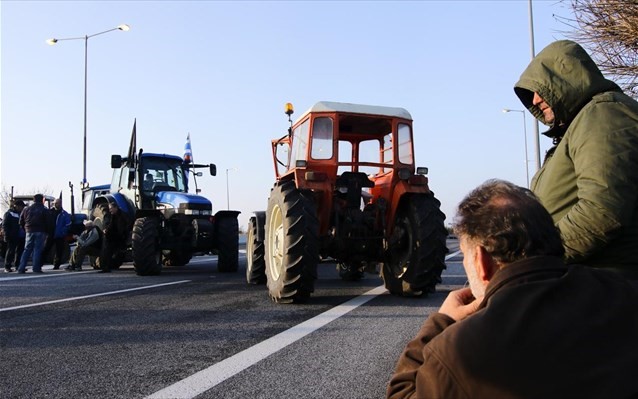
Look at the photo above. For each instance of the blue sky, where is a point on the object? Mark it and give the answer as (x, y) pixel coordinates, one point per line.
(222, 71)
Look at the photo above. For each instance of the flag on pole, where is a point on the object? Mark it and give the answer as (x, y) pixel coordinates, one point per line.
(132, 149)
(188, 152)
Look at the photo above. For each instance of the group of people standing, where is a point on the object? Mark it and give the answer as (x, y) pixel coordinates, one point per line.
(31, 232)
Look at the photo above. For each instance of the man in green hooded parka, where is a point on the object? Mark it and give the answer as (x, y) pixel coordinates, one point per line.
(589, 178)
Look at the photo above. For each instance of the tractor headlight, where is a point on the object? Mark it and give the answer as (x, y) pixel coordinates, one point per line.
(191, 211)
(164, 206)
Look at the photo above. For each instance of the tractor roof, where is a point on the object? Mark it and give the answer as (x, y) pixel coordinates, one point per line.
(330, 106)
(155, 155)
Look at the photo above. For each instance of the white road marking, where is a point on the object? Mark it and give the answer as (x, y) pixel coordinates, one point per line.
(453, 254)
(208, 378)
(76, 298)
(16, 276)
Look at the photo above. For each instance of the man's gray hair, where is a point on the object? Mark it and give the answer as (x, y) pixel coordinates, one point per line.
(508, 221)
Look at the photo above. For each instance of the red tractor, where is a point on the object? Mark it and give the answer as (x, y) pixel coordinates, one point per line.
(347, 191)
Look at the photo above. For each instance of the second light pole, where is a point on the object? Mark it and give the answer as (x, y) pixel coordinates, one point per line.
(227, 189)
(525, 136)
(86, 38)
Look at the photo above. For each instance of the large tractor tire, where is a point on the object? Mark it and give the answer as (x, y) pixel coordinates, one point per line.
(101, 215)
(146, 250)
(255, 263)
(227, 233)
(416, 248)
(291, 245)
(176, 257)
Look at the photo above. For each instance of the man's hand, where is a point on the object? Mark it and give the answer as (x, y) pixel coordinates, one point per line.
(459, 304)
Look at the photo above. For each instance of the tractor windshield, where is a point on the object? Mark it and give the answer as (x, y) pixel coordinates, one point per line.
(163, 174)
(299, 144)
(377, 153)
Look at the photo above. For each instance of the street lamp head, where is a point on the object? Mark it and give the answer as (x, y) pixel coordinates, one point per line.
(124, 27)
(51, 42)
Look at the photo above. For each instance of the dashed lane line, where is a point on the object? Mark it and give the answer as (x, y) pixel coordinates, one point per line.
(76, 298)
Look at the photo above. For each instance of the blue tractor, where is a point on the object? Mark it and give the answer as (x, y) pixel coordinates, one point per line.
(170, 225)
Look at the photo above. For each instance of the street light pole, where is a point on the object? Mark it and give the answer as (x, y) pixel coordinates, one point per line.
(227, 189)
(525, 136)
(86, 38)
(533, 51)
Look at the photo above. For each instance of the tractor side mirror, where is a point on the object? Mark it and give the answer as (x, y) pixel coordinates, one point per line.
(213, 169)
(421, 170)
(116, 161)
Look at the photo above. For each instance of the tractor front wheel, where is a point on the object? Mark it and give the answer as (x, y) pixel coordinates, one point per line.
(146, 249)
(255, 263)
(416, 251)
(291, 246)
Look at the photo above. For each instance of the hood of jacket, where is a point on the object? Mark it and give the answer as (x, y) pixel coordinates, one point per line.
(566, 77)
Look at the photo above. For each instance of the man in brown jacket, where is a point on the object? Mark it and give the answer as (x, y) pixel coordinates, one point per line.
(528, 326)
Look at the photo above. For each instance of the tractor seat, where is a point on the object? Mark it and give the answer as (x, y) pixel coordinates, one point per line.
(353, 182)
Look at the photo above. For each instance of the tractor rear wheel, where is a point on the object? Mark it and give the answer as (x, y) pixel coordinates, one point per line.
(291, 245)
(146, 250)
(227, 232)
(416, 248)
(101, 215)
(255, 263)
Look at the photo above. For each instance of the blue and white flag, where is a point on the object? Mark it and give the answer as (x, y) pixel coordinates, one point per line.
(188, 152)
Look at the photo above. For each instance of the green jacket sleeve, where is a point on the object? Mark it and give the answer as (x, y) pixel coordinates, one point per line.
(604, 149)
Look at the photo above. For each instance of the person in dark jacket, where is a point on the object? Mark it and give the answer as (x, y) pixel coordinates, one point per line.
(589, 179)
(13, 235)
(528, 326)
(116, 235)
(56, 238)
(34, 221)
(88, 243)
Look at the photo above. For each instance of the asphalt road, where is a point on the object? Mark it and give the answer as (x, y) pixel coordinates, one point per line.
(194, 332)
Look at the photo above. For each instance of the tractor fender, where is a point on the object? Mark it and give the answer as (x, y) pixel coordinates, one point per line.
(226, 214)
(122, 202)
(260, 218)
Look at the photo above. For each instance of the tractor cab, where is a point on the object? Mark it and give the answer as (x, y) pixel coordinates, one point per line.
(350, 154)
